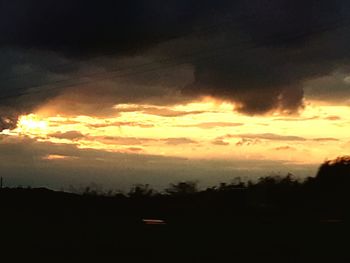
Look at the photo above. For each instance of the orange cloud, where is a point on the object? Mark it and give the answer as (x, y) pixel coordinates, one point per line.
(285, 148)
(69, 135)
(210, 125)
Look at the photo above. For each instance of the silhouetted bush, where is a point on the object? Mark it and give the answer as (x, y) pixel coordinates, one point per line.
(335, 172)
(141, 191)
(182, 188)
(275, 215)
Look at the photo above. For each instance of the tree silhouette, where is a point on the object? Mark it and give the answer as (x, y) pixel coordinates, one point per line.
(329, 192)
(141, 191)
(182, 188)
(335, 172)
(274, 217)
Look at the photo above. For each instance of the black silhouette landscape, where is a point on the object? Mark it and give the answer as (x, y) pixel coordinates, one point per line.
(276, 219)
(177, 131)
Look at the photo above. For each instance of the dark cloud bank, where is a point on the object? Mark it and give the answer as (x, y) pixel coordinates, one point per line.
(99, 53)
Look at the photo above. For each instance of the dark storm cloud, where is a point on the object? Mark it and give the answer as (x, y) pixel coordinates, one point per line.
(332, 87)
(24, 78)
(255, 53)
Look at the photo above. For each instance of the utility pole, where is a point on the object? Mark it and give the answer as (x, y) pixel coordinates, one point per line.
(1, 182)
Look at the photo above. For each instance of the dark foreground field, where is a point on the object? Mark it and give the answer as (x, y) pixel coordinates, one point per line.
(273, 220)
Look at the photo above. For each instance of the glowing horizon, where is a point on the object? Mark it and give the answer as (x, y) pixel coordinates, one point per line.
(205, 129)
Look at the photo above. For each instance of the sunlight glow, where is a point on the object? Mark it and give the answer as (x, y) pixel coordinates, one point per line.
(202, 129)
(31, 124)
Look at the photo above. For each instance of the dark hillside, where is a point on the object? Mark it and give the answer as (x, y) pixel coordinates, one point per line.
(275, 219)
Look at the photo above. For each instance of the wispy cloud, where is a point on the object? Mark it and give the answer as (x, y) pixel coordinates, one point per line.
(69, 135)
(211, 125)
(220, 142)
(285, 148)
(178, 141)
(119, 124)
(264, 136)
(162, 111)
(333, 118)
(325, 139)
(297, 119)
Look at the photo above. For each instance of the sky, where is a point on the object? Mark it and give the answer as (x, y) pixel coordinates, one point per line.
(156, 92)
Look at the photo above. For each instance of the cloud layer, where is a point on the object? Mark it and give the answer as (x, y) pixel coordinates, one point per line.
(84, 57)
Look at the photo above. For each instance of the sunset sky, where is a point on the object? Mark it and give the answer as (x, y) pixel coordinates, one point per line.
(155, 92)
